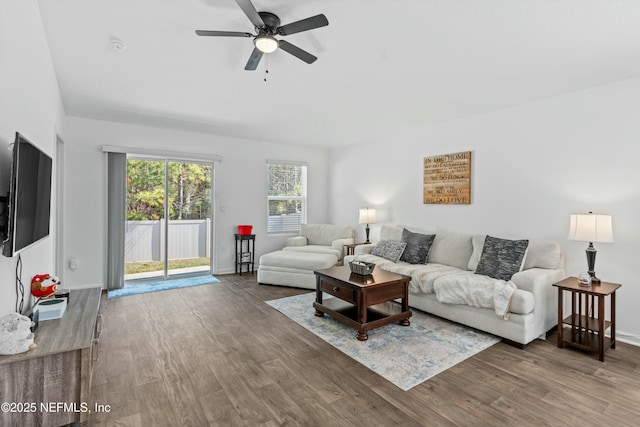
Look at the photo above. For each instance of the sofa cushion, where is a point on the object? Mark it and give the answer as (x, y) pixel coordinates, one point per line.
(418, 246)
(476, 290)
(483, 291)
(539, 254)
(452, 249)
(477, 242)
(297, 241)
(298, 260)
(390, 232)
(543, 255)
(381, 263)
(422, 275)
(316, 249)
(325, 234)
(388, 249)
(501, 258)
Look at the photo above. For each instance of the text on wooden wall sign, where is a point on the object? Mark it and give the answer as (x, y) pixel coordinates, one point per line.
(447, 179)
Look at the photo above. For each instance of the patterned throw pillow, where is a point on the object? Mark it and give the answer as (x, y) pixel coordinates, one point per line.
(389, 249)
(418, 246)
(501, 258)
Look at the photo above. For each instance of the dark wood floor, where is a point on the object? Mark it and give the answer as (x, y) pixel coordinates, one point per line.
(217, 355)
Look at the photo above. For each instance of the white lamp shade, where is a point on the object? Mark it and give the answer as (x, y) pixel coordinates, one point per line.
(367, 216)
(591, 228)
(266, 44)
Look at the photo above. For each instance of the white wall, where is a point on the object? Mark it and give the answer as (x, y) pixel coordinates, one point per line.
(29, 104)
(240, 184)
(532, 167)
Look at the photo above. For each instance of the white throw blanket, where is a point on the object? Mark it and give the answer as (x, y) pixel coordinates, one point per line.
(423, 276)
(452, 285)
(476, 290)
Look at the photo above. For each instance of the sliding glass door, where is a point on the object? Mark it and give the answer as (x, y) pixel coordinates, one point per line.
(169, 226)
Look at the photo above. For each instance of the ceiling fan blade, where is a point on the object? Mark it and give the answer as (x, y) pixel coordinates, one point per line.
(223, 33)
(303, 25)
(251, 12)
(254, 60)
(297, 52)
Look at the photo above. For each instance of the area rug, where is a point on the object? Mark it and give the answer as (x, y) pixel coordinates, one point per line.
(162, 285)
(404, 355)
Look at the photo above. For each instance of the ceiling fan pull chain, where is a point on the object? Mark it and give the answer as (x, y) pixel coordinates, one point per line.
(266, 68)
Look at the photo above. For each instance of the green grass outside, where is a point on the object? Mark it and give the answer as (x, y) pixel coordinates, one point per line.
(143, 267)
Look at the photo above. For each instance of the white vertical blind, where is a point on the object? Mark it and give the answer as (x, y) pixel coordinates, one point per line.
(116, 215)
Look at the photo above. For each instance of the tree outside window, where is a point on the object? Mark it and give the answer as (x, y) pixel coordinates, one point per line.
(189, 190)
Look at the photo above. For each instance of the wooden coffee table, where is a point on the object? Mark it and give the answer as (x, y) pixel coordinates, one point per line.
(362, 302)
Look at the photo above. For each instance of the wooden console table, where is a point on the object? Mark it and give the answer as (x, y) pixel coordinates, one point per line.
(583, 329)
(50, 385)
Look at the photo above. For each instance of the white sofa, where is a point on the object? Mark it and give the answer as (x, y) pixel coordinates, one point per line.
(318, 246)
(452, 260)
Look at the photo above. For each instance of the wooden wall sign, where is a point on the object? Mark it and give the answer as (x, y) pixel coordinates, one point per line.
(447, 179)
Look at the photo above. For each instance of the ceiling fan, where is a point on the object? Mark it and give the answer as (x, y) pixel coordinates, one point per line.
(267, 26)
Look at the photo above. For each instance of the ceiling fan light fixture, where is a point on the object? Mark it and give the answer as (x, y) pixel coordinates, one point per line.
(266, 44)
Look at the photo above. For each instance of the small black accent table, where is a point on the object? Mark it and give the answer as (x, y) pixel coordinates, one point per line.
(245, 257)
(582, 329)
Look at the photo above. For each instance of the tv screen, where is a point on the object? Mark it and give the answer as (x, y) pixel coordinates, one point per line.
(29, 197)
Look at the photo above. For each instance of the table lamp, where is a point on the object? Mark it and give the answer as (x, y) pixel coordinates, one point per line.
(367, 216)
(591, 228)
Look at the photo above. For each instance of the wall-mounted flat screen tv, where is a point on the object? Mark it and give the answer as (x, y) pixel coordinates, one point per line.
(29, 200)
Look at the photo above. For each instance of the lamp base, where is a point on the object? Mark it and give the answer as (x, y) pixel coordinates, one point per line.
(591, 263)
(367, 232)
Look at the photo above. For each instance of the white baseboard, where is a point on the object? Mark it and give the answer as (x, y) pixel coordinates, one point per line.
(85, 286)
(229, 271)
(625, 337)
(628, 338)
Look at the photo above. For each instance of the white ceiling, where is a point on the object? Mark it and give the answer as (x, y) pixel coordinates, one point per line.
(384, 65)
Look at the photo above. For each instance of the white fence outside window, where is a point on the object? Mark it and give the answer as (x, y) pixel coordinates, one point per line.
(144, 240)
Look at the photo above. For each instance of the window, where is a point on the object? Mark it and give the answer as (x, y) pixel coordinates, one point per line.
(286, 196)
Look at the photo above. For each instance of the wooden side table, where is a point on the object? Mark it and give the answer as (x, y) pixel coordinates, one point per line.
(583, 329)
(351, 247)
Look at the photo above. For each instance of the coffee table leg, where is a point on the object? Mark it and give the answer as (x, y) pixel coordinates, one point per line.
(405, 303)
(318, 296)
(363, 336)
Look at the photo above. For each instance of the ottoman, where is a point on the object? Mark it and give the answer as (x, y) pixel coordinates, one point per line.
(291, 268)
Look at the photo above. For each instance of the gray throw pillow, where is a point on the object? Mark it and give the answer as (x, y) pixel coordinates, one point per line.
(501, 258)
(418, 246)
(389, 249)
